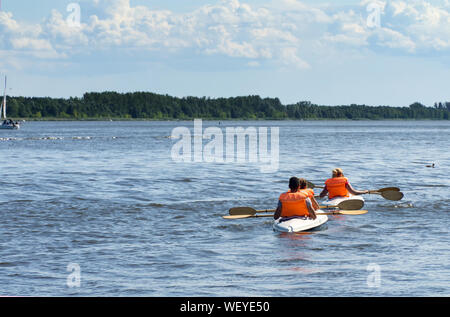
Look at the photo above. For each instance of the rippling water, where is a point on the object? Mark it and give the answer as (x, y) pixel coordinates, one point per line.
(108, 197)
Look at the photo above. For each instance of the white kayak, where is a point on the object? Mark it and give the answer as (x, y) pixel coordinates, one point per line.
(337, 200)
(299, 224)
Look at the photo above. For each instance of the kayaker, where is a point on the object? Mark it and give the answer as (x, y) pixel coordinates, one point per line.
(339, 186)
(298, 202)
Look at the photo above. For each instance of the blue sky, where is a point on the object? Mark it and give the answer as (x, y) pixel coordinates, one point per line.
(329, 52)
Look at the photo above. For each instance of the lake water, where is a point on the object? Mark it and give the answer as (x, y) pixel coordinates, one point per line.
(102, 209)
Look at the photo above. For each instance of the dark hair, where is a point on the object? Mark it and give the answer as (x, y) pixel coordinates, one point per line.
(294, 183)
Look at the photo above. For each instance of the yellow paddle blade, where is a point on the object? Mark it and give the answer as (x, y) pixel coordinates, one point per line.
(352, 212)
(237, 217)
(344, 212)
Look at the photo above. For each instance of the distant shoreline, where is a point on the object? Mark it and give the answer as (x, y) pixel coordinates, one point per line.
(147, 106)
(204, 119)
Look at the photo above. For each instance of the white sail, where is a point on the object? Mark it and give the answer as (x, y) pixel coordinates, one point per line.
(7, 124)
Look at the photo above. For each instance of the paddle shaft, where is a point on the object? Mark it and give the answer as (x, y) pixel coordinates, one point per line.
(273, 210)
(340, 212)
(312, 185)
(349, 204)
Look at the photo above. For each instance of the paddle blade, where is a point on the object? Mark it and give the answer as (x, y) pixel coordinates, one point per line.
(351, 204)
(246, 216)
(386, 189)
(353, 212)
(237, 217)
(237, 211)
(392, 195)
(310, 185)
(344, 212)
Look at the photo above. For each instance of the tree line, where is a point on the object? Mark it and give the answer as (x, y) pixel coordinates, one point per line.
(146, 105)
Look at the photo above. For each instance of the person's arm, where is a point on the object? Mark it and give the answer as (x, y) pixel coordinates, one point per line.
(315, 204)
(324, 192)
(277, 213)
(353, 191)
(312, 214)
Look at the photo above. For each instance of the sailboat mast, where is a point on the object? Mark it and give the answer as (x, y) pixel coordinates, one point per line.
(4, 103)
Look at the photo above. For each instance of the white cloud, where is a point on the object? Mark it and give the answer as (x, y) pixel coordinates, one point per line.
(412, 27)
(282, 32)
(24, 40)
(393, 39)
(290, 58)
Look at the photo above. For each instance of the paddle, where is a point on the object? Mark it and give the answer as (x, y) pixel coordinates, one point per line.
(389, 195)
(350, 204)
(387, 189)
(312, 186)
(246, 216)
(339, 212)
(245, 211)
(237, 211)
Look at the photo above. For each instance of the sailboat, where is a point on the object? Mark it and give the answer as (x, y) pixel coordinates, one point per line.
(7, 123)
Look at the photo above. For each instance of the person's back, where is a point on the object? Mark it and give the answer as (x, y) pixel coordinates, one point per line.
(339, 186)
(297, 202)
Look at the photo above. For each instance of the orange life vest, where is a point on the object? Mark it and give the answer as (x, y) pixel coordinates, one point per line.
(294, 204)
(336, 186)
(308, 191)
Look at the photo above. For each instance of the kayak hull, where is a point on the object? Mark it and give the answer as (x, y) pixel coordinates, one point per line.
(337, 200)
(299, 224)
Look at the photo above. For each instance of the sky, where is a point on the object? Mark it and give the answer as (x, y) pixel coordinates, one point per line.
(328, 52)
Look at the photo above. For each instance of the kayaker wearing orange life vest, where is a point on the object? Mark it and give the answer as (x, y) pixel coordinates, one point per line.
(297, 202)
(339, 186)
